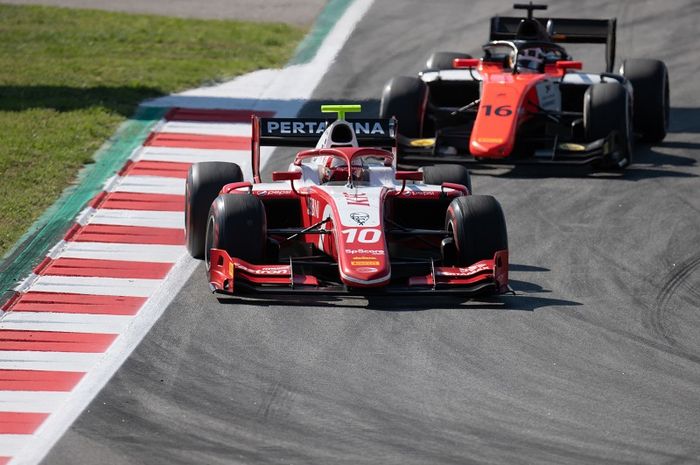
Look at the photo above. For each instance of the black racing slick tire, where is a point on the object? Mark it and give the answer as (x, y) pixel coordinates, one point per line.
(651, 107)
(204, 181)
(443, 60)
(456, 174)
(405, 97)
(237, 224)
(606, 108)
(478, 227)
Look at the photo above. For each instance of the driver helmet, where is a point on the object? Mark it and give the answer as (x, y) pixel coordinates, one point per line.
(336, 170)
(531, 59)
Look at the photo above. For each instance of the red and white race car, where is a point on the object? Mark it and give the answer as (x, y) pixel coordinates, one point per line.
(342, 219)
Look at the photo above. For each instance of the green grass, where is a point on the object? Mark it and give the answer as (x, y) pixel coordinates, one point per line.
(68, 78)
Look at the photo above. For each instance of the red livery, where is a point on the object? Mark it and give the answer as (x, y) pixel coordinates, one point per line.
(342, 218)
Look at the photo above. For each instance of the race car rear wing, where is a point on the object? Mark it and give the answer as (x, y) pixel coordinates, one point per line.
(565, 30)
(305, 132)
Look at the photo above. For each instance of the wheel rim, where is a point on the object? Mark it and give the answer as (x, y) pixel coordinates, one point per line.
(209, 242)
(452, 232)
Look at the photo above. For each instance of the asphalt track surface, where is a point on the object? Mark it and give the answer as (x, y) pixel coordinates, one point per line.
(596, 360)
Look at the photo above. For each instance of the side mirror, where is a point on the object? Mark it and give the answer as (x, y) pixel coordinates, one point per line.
(409, 175)
(569, 65)
(286, 175)
(465, 62)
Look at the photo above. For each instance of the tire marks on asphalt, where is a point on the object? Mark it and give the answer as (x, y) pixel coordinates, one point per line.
(680, 283)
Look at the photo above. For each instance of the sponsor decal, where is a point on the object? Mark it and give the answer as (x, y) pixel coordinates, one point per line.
(359, 198)
(272, 193)
(360, 217)
(275, 270)
(366, 269)
(490, 140)
(230, 269)
(296, 127)
(368, 128)
(303, 127)
(549, 96)
(411, 193)
(364, 261)
(364, 251)
(479, 267)
(312, 206)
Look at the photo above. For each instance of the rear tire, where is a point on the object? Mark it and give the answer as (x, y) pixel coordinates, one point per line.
(443, 60)
(204, 181)
(649, 79)
(237, 224)
(457, 174)
(478, 227)
(606, 108)
(405, 97)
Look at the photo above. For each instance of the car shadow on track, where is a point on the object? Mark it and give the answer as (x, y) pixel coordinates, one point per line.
(525, 297)
(649, 163)
(386, 303)
(684, 120)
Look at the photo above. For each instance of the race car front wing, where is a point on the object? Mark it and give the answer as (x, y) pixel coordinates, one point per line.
(419, 151)
(229, 275)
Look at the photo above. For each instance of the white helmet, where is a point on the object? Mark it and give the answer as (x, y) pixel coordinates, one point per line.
(531, 59)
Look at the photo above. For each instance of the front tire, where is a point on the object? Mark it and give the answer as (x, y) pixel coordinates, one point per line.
(649, 80)
(204, 181)
(237, 224)
(478, 227)
(405, 97)
(606, 108)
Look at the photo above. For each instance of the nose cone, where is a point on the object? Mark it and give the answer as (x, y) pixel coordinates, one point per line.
(500, 112)
(365, 268)
(492, 147)
(363, 258)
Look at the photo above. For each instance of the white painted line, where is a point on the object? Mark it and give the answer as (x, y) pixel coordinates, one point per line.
(212, 129)
(31, 401)
(145, 218)
(65, 322)
(149, 185)
(96, 286)
(113, 251)
(12, 444)
(59, 361)
(242, 92)
(187, 155)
